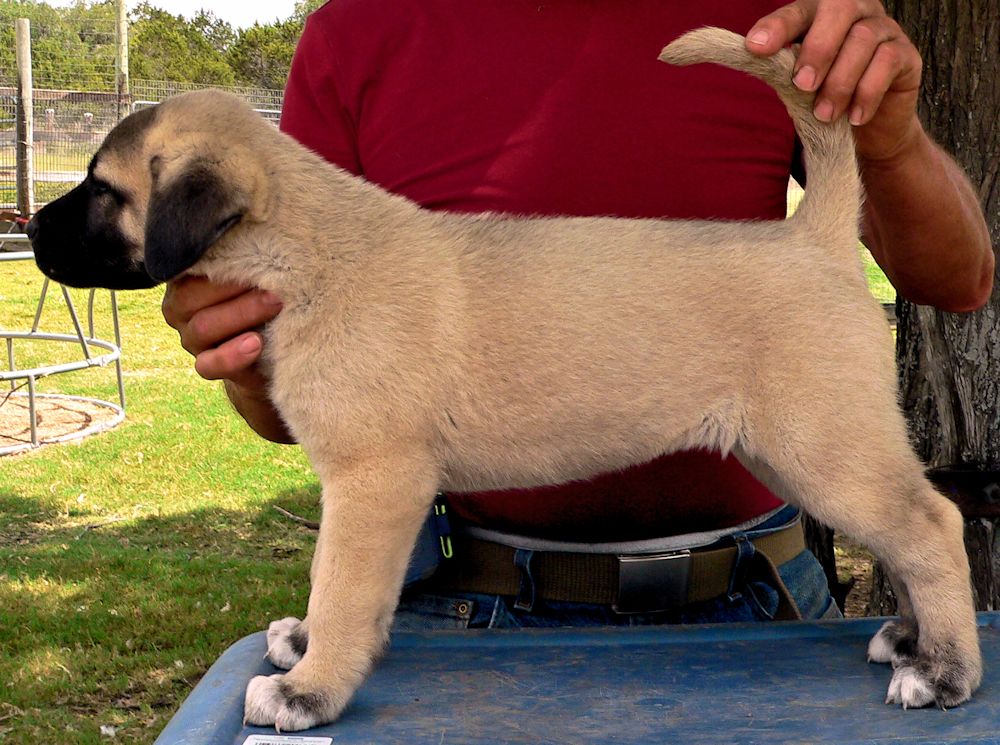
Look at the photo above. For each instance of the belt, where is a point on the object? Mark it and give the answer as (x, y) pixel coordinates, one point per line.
(636, 583)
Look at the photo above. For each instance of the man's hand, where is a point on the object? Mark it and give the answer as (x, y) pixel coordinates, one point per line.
(922, 221)
(217, 325)
(858, 61)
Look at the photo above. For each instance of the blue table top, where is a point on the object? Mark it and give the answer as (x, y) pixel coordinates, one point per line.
(763, 683)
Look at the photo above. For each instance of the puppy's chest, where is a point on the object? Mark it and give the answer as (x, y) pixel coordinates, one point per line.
(287, 336)
(303, 335)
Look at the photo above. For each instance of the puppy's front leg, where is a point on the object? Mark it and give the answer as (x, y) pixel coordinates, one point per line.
(372, 513)
(288, 638)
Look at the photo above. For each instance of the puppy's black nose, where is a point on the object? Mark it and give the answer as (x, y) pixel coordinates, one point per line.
(31, 229)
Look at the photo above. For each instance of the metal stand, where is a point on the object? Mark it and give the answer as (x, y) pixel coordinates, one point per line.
(88, 343)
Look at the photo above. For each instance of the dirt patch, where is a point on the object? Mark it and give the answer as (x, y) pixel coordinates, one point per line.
(854, 565)
(58, 418)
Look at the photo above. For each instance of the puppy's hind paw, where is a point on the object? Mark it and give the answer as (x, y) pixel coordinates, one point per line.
(275, 700)
(287, 641)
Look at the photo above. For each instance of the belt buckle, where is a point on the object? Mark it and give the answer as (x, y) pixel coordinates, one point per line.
(649, 583)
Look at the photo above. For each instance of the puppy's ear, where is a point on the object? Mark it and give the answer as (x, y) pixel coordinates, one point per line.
(186, 216)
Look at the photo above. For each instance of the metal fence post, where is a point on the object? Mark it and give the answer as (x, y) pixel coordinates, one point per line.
(25, 119)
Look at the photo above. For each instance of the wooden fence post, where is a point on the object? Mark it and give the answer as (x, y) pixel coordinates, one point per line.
(25, 116)
(121, 63)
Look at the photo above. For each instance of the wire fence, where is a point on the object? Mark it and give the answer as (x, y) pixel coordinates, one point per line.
(265, 101)
(81, 58)
(75, 108)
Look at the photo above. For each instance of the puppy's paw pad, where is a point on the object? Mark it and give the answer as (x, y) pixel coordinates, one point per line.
(270, 700)
(895, 642)
(287, 641)
(910, 689)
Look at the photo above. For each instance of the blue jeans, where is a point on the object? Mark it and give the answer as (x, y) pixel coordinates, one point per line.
(756, 600)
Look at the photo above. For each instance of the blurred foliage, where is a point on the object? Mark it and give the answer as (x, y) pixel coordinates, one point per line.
(74, 47)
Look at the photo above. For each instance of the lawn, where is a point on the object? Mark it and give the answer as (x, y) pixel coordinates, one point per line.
(129, 561)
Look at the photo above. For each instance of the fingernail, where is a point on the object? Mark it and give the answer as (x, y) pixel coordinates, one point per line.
(250, 344)
(269, 298)
(805, 78)
(759, 37)
(857, 116)
(824, 111)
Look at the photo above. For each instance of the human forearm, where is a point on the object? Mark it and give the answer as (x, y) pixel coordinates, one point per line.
(258, 412)
(924, 226)
(922, 221)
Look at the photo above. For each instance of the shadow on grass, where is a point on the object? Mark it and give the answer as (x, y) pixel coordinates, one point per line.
(112, 621)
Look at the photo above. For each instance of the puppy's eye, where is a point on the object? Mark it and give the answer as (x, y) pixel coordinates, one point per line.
(100, 188)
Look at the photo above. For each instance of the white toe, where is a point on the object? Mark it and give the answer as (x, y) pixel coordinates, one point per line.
(909, 688)
(263, 700)
(280, 651)
(880, 649)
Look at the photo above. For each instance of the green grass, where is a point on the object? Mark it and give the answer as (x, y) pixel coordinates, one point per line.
(877, 282)
(54, 156)
(113, 624)
(130, 560)
(45, 191)
(67, 157)
(59, 157)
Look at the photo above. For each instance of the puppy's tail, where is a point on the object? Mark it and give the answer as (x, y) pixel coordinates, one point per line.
(832, 203)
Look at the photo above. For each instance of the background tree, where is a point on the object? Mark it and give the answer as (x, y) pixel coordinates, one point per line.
(163, 46)
(218, 33)
(950, 363)
(262, 55)
(74, 47)
(71, 47)
(305, 7)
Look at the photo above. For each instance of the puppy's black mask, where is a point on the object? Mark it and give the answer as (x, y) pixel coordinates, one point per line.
(78, 239)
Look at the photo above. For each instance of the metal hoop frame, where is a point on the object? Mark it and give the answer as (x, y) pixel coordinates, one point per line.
(87, 340)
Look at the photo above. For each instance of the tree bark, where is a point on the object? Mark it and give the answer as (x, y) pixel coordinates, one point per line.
(949, 364)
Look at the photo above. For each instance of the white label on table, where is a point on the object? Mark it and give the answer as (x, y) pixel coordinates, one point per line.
(286, 740)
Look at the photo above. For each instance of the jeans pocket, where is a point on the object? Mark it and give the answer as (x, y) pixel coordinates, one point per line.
(806, 581)
(430, 612)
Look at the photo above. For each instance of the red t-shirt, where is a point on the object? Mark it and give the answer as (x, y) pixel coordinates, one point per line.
(554, 108)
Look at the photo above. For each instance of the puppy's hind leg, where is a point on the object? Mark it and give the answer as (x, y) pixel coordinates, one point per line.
(945, 667)
(896, 641)
(372, 513)
(857, 474)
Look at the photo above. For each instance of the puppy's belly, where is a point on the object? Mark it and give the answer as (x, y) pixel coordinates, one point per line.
(510, 457)
(527, 472)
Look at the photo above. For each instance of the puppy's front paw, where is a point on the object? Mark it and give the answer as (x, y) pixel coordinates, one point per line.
(287, 641)
(276, 700)
(921, 681)
(909, 688)
(895, 642)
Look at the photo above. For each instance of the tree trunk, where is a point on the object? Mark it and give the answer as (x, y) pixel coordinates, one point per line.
(949, 364)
